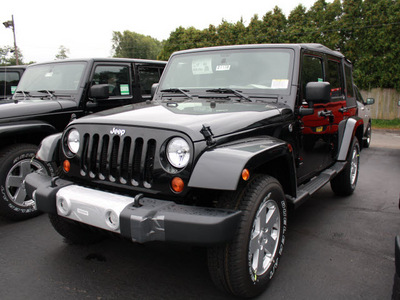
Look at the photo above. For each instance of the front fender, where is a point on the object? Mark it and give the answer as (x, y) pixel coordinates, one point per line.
(48, 148)
(221, 168)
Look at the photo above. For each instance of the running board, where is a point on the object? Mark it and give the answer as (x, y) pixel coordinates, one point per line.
(306, 190)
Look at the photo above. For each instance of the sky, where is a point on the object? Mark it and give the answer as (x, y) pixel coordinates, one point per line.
(85, 27)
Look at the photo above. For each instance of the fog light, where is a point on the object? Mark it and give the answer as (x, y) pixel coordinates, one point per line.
(63, 206)
(112, 220)
(66, 165)
(177, 184)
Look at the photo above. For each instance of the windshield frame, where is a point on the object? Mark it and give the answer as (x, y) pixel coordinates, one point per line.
(241, 52)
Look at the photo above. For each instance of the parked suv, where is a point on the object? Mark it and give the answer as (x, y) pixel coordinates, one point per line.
(364, 112)
(48, 97)
(235, 135)
(9, 78)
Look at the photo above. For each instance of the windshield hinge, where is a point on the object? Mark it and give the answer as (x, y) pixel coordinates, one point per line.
(208, 135)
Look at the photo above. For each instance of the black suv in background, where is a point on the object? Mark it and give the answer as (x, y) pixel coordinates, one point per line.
(9, 78)
(47, 98)
(233, 137)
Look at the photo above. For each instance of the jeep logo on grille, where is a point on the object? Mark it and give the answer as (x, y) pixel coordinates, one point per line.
(117, 131)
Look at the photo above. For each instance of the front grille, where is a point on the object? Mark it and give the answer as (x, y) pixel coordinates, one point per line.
(118, 159)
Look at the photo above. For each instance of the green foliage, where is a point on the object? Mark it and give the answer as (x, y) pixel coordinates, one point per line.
(366, 31)
(7, 56)
(386, 124)
(62, 52)
(134, 45)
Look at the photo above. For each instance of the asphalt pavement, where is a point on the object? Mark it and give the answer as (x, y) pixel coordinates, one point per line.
(336, 248)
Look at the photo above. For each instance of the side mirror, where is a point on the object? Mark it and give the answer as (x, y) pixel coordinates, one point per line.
(99, 91)
(318, 92)
(154, 89)
(370, 101)
(398, 103)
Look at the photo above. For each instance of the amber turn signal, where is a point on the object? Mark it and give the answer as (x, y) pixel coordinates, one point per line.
(245, 174)
(177, 184)
(66, 166)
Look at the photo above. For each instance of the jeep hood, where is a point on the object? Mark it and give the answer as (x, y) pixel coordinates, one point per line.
(11, 110)
(227, 118)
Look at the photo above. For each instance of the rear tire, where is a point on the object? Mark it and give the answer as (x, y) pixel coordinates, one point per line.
(345, 182)
(367, 138)
(244, 266)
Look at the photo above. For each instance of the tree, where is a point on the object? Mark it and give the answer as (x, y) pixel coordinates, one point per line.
(134, 45)
(7, 56)
(62, 53)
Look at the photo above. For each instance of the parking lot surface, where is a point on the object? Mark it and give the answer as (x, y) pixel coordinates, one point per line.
(336, 248)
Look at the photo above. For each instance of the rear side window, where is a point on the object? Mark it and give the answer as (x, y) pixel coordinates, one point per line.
(349, 82)
(335, 78)
(148, 76)
(117, 78)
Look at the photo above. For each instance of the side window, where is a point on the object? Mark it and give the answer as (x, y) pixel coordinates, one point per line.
(335, 78)
(148, 76)
(350, 97)
(117, 78)
(349, 82)
(358, 95)
(312, 70)
(8, 82)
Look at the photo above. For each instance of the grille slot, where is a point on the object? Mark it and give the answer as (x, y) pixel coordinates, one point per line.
(116, 159)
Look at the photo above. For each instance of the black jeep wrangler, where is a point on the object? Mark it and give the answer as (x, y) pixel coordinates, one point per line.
(47, 98)
(233, 137)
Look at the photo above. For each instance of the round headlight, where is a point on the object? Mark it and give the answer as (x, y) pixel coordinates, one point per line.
(73, 141)
(178, 152)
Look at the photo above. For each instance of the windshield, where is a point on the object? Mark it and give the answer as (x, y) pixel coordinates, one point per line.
(52, 77)
(261, 71)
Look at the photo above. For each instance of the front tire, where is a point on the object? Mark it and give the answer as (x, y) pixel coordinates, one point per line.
(244, 266)
(16, 162)
(345, 182)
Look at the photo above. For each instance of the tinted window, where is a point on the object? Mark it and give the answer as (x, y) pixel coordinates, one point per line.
(117, 78)
(148, 76)
(334, 77)
(312, 71)
(349, 82)
(8, 82)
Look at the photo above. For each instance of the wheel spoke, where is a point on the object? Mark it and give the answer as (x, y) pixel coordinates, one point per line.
(25, 168)
(14, 181)
(20, 196)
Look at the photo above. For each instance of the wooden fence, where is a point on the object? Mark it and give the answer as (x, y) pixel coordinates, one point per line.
(386, 103)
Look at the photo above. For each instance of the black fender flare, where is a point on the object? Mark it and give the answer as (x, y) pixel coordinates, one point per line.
(347, 131)
(48, 148)
(25, 128)
(221, 168)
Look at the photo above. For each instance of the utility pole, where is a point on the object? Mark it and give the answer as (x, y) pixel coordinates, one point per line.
(9, 24)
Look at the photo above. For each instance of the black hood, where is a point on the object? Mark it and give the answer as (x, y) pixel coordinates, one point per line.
(12, 109)
(190, 117)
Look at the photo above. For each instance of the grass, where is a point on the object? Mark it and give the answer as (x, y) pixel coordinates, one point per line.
(386, 124)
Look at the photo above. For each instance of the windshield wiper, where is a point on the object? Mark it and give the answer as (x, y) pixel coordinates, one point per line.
(49, 93)
(24, 93)
(178, 90)
(230, 91)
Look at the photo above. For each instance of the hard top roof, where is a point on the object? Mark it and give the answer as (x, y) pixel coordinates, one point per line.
(310, 47)
(107, 60)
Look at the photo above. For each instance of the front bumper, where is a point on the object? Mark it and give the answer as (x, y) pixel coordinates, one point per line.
(141, 219)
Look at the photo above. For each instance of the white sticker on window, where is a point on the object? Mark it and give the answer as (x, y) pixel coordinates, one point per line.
(49, 74)
(280, 83)
(202, 66)
(223, 68)
(124, 89)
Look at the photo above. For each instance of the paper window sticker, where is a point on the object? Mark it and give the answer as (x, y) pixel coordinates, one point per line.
(124, 88)
(320, 80)
(13, 89)
(223, 68)
(280, 83)
(202, 66)
(49, 74)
